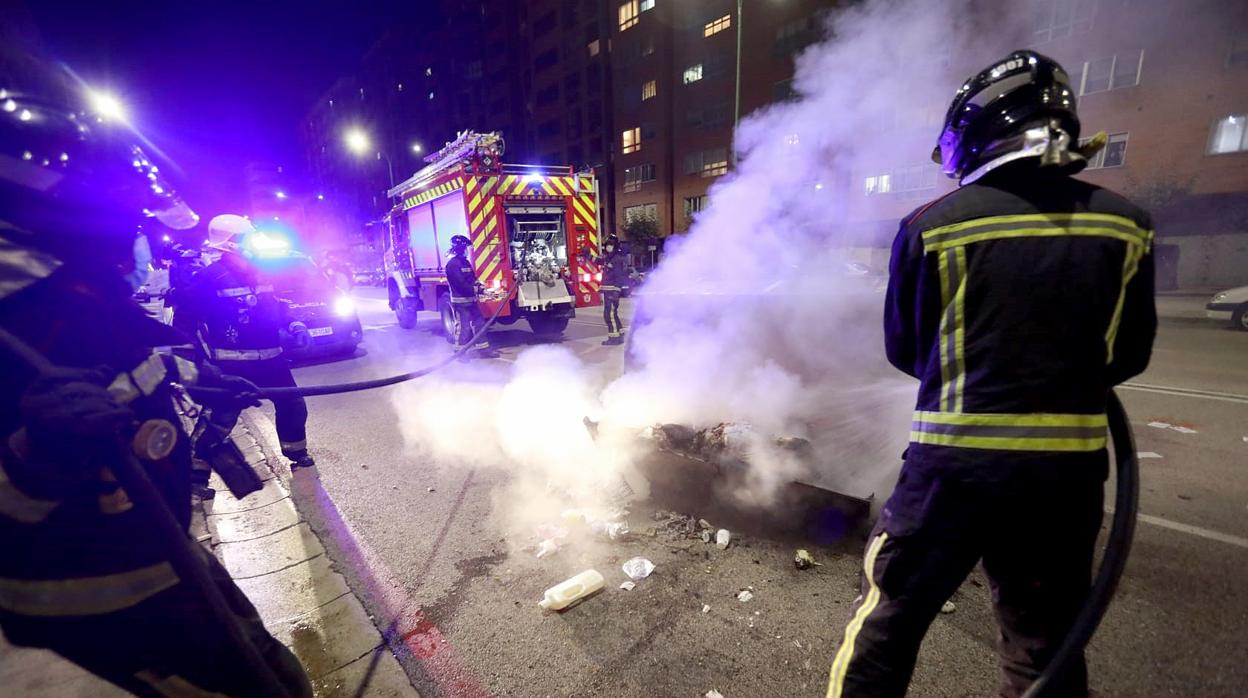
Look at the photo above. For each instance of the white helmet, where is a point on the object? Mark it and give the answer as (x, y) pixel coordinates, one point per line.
(225, 229)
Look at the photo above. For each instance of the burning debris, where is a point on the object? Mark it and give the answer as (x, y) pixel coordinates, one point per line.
(724, 441)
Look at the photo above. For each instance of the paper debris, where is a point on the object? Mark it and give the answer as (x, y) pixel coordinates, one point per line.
(1149, 454)
(628, 586)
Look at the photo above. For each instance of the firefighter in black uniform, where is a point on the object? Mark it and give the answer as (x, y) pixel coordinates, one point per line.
(1018, 301)
(464, 290)
(240, 325)
(81, 570)
(615, 279)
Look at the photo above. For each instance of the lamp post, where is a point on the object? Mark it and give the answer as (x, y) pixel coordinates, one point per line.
(736, 107)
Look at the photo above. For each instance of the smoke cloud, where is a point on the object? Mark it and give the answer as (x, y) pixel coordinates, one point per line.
(755, 315)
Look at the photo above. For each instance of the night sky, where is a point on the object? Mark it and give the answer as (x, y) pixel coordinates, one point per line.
(215, 84)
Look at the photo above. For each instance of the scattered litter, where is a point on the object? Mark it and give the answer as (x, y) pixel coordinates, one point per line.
(722, 538)
(638, 568)
(547, 547)
(706, 536)
(706, 608)
(1173, 427)
(713, 694)
(949, 607)
(703, 523)
(804, 560)
(628, 586)
(1149, 454)
(364, 466)
(613, 530)
(571, 591)
(744, 595)
(430, 489)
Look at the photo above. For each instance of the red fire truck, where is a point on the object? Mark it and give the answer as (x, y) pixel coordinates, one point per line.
(534, 231)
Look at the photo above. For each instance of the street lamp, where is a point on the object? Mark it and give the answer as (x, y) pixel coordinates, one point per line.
(280, 194)
(106, 105)
(417, 148)
(358, 142)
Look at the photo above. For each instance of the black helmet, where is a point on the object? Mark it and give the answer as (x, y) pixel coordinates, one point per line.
(459, 243)
(612, 239)
(74, 179)
(1002, 101)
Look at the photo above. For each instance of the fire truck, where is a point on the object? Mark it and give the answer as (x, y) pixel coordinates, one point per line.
(534, 233)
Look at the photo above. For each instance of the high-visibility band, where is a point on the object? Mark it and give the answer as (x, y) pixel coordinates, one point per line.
(463, 301)
(246, 354)
(85, 596)
(1011, 432)
(845, 653)
(1035, 225)
(19, 506)
(188, 372)
(1130, 265)
(952, 334)
(605, 287)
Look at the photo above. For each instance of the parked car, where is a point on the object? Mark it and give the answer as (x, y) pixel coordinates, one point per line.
(1232, 305)
(328, 313)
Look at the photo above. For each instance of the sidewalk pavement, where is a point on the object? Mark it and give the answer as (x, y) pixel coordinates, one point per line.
(276, 560)
(272, 554)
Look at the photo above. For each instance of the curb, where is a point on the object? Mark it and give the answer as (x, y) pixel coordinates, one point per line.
(280, 564)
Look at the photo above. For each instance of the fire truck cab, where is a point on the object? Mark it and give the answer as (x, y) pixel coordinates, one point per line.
(534, 233)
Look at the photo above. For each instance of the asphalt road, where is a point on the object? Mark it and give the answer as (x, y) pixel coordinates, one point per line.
(432, 535)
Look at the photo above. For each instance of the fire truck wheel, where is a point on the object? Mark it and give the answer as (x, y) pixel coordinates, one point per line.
(547, 327)
(405, 310)
(449, 326)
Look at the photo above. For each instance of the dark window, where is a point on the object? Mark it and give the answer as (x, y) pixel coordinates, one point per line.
(796, 35)
(1114, 154)
(575, 155)
(593, 80)
(472, 71)
(1239, 50)
(648, 131)
(595, 150)
(635, 176)
(572, 88)
(548, 95)
(569, 14)
(546, 60)
(783, 91)
(693, 204)
(574, 124)
(548, 129)
(595, 115)
(544, 24)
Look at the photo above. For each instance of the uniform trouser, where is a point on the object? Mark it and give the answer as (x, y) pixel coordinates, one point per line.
(611, 312)
(292, 412)
(167, 645)
(468, 322)
(1035, 539)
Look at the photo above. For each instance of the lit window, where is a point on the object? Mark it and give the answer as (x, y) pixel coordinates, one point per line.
(400, 87)
(428, 72)
(693, 73)
(649, 89)
(707, 163)
(1115, 72)
(594, 47)
(716, 26)
(628, 15)
(1056, 19)
(430, 95)
(647, 5)
(1229, 135)
(878, 184)
(792, 139)
(631, 140)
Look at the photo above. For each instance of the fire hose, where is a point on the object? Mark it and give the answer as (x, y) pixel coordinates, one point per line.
(356, 386)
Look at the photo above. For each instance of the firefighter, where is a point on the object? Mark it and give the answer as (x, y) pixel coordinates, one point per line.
(240, 324)
(464, 291)
(81, 570)
(615, 278)
(1018, 301)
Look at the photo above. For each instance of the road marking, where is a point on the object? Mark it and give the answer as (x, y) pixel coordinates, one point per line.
(1186, 392)
(1194, 530)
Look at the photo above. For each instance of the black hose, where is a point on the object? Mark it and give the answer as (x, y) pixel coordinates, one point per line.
(1117, 548)
(356, 386)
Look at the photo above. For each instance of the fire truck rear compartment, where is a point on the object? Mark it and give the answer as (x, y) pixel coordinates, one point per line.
(539, 255)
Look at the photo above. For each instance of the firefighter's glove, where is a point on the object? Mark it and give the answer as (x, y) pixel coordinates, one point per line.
(68, 420)
(242, 392)
(297, 336)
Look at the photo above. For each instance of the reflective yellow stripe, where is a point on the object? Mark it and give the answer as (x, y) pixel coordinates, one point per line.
(561, 184)
(583, 209)
(1130, 265)
(85, 596)
(17, 505)
(1037, 220)
(1011, 432)
(959, 331)
(840, 665)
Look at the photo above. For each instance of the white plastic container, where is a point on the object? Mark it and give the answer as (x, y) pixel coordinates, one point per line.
(571, 591)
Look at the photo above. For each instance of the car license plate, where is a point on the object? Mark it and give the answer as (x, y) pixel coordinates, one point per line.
(321, 331)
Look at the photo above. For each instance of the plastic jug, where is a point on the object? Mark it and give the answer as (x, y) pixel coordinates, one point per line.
(569, 592)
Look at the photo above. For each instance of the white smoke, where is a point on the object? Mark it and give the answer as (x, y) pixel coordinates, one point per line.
(754, 315)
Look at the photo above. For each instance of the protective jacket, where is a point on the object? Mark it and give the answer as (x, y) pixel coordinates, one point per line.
(614, 271)
(84, 550)
(235, 313)
(461, 279)
(1018, 301)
